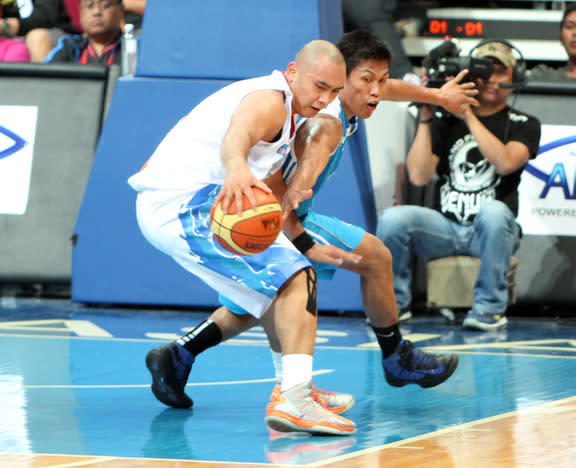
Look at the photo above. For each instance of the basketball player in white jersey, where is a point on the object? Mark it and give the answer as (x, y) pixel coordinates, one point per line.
(226, 145)
(317, 151)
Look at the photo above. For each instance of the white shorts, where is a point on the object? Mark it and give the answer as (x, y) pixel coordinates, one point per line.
(178, 224)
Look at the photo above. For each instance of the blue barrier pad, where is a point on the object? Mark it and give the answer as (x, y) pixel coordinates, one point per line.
(111, 261)
(228, 39)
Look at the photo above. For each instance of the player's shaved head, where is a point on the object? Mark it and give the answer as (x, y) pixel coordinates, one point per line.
(315, 52)
(316, 76)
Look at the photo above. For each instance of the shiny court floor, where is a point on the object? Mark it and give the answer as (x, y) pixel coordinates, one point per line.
(74, 391)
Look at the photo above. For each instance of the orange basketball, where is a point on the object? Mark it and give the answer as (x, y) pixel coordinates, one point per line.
(251, 232)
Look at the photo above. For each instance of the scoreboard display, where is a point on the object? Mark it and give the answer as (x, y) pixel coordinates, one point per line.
(474, 27)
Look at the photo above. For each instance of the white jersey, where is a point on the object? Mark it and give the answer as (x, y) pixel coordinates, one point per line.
(189, 156)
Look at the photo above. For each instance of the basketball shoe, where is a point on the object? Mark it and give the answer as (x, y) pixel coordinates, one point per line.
(409, 365)
(332, 401)
(170, 365)
(484, 322)
(295, 410)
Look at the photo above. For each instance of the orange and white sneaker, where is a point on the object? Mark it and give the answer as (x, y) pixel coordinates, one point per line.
(332, 401)
(296, 411)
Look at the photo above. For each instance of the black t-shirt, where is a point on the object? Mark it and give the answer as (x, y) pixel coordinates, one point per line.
(37, 14)
(466, 179)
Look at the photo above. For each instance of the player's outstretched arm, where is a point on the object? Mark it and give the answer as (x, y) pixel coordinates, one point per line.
(452, 95)
(315, 140)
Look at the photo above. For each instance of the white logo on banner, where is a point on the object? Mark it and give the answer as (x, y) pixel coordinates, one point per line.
(548, 185)
(17, 133)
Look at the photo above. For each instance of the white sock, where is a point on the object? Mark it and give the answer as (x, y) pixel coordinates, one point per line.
(296, 370)
(277, 360)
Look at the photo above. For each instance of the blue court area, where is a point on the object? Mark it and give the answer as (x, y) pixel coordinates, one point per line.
(73, 381)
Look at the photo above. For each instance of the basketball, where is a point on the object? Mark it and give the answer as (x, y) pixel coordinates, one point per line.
(251, 232)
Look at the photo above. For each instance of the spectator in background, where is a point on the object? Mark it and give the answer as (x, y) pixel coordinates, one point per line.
(377, 16)
(101, 21)
(478, 154)
(567, 38)
(39, 22)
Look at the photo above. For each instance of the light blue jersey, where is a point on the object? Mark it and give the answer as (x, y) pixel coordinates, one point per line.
(289, 167)
(327, 229)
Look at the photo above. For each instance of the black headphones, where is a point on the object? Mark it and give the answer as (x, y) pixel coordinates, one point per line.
(519, 73)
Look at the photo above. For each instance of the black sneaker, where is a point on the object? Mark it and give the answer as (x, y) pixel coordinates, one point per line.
(170, 366)
(409, 365)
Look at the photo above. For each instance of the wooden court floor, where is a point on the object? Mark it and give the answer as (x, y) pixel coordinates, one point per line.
(74, 392)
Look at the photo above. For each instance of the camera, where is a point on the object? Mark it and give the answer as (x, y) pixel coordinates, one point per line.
(444, 61)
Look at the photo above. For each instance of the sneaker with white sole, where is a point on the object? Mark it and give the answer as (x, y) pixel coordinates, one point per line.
(333, 401)
(484, 322)
(295, 410)
(170, 365)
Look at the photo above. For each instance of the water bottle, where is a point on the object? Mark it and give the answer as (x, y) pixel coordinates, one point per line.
(129, 51)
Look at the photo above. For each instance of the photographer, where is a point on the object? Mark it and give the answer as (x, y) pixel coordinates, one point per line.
(478, 155)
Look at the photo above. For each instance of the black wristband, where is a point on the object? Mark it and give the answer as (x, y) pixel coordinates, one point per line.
(303, 242)
(427, 121)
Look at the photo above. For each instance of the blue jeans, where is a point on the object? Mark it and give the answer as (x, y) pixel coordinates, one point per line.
(493, 237)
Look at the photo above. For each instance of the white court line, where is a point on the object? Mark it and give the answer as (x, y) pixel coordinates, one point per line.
(194, 384)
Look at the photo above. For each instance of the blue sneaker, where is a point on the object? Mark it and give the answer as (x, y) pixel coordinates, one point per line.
(409, 365)
(484, 322)
(170, 365)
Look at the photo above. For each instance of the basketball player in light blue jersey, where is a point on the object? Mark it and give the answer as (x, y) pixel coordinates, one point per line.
(314, 158)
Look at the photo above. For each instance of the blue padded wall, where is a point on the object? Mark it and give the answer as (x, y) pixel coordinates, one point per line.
(230, 39)
(184, 47)
(111, 261)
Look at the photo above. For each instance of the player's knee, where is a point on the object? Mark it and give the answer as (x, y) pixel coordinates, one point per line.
(375, 254)
(383, 255)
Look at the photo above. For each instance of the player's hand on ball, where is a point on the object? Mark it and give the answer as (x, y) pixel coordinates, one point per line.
(248, 231)
(332, 255)
(237, 184)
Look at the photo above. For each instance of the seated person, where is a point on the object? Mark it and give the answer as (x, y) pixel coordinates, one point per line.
(40, 23)
(478, 155)
(567, 38)
(101, 21)
(13, 50)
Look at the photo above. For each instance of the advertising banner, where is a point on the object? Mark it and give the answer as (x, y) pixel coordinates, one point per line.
(548, 186)
(17, 133)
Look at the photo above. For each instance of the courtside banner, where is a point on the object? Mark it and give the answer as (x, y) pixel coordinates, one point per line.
(17, 133)
(548, 185)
